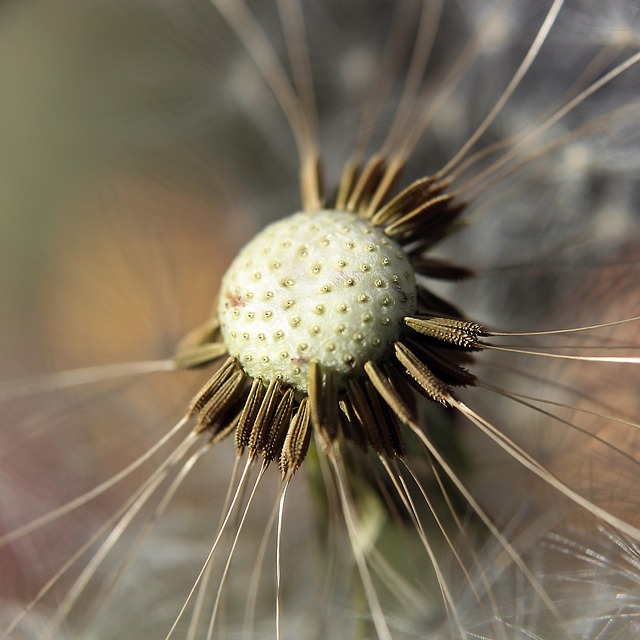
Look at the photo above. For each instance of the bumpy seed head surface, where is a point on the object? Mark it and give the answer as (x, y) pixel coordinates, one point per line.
(325, 287)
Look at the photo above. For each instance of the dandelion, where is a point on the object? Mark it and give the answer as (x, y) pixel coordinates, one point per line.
(443, 340)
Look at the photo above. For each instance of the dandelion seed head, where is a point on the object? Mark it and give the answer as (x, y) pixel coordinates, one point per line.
(360, 507)
(323, 287)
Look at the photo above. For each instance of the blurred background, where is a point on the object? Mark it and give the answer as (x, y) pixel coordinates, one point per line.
(140, 148)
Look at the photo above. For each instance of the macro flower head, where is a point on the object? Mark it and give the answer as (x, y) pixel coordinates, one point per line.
(407, 407)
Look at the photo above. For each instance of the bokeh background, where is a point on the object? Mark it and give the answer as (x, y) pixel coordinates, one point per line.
(140, 148)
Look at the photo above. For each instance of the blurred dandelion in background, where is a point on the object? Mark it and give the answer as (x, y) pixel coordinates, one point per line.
(460, 463)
